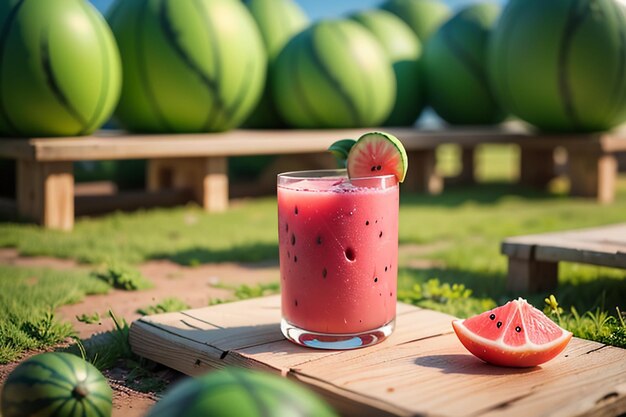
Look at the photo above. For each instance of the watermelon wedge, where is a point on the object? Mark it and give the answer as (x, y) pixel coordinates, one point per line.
(515, 334)
(375, 154)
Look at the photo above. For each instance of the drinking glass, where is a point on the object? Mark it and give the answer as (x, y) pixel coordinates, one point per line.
(338, 243)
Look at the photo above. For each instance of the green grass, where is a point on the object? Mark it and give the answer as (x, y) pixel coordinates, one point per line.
(460, 231)
(123, 277)
(28, 298)
(186, 235)
(167, 305)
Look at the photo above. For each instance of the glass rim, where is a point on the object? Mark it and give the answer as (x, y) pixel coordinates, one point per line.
(339, 171)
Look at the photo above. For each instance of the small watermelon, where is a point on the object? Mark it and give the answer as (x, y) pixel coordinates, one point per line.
(515, 334)
(56, 385)
(377, 153)
(233, 392)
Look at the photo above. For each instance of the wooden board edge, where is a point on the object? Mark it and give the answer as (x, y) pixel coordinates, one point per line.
(549, 253)
(182, 354)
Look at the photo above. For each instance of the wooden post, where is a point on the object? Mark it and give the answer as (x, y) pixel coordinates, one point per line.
(422, 174)
(529, 275)
(467, 176)
(207, 178)
(593, 174)
(536, 166)
(45, 193)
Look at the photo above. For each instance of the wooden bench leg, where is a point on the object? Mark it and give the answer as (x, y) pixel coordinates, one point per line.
(207, 178)
(467, 176)
(529, 275)
(422, 175)
(536, 167)
(593, 175)
(45, 193)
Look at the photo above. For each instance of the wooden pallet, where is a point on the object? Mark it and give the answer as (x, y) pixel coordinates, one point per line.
(421, 370)
(198, 162)
(534, 259)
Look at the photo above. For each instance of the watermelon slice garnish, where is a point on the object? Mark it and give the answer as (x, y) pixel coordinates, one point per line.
(373, 154)
(515, 334)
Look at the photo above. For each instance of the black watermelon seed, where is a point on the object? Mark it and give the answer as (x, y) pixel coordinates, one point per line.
(518, 329)
(295, 258)
(324, 272)
(373, 168)
(367, 222)
(296, 210)
(319, 240)
(350, 255)
(296, 303)
(390, 294)
(378, 168)
(380, 234)
(286, 227)
(376, 279)
(386, 269)
(492, 316)
(499, 324)
(293, 239)
(380, 294)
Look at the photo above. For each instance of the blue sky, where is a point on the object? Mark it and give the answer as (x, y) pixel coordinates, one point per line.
(325, 8)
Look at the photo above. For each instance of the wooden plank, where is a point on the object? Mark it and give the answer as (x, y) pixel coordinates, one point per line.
(467, 175)
(206, 178)
(604, 246)
(437, 376)
(422, 175)
(593, 174)
(529, 275)
(422, 369)
(45, 193)
(111, 145)
(411, 324)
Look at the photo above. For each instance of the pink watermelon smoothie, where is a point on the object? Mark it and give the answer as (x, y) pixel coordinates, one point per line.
(338, 243)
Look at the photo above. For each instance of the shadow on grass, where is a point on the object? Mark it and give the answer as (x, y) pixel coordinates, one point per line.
(247, 253)
(482, 193)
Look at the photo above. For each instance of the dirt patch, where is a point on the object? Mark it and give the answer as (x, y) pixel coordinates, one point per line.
(10, 256)
(194, 285)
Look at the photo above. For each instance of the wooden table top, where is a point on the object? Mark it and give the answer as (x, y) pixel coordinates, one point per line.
(421, 370)
(113, 145)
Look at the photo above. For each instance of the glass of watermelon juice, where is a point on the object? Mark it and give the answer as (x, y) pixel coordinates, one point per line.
(338, 243)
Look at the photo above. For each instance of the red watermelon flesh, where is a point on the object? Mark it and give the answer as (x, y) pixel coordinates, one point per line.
(515, 334)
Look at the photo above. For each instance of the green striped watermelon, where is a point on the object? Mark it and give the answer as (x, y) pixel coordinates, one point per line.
(278, 21)
(235, 392)
(188, 66)
(56, 385)
(60, 71)
(335, 74)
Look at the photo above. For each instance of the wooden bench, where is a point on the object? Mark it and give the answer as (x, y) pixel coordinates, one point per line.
(198, 162)
(534, 259)
(421, 370)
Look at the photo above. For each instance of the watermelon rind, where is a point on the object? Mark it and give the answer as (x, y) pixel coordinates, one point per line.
(497, 352)
(377, 150)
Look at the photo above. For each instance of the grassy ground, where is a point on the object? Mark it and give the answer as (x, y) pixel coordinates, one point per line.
(28, 298)
(457, 234)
